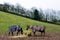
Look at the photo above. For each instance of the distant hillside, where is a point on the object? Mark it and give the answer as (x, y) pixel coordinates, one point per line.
(7, 19)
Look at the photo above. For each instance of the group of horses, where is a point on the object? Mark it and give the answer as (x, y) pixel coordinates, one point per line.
(18, 29)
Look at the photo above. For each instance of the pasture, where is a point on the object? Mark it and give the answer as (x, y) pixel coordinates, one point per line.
(7, 19)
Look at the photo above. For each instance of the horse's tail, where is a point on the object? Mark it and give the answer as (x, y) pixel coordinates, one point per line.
(21, 31)
(44, 29)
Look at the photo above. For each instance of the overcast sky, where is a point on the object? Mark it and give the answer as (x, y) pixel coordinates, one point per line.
(44, 4)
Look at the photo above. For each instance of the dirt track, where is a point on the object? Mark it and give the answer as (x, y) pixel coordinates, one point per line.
(48, 36)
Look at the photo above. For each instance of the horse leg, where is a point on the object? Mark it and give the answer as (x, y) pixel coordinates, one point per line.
(41, 33)
(9, 33)
(34, 33)
(17, 33)
(12, 33)
(44, 33)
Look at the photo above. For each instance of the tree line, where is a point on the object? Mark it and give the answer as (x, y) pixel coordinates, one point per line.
(34, 13)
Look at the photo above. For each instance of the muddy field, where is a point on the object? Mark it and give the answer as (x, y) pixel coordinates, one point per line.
(48, 36)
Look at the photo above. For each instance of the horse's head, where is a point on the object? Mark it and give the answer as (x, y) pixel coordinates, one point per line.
(21, 31)
(27, 27)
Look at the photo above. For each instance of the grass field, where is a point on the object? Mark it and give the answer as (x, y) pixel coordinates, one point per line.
(7, 19)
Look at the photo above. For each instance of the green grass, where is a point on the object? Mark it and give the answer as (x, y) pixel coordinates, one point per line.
(7, 19)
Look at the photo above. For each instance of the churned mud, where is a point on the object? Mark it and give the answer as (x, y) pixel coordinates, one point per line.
(48, 36)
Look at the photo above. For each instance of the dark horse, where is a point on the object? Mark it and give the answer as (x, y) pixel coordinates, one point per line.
(35, 28)
(14, 28)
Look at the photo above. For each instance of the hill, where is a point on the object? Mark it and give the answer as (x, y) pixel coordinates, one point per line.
(7, 19)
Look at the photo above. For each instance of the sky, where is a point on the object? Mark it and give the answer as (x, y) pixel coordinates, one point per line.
(44, 4)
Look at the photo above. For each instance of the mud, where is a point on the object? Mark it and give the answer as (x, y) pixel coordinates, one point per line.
(48, 36)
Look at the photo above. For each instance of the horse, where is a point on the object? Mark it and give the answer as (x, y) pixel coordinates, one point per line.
(15, 28)
(39, 28)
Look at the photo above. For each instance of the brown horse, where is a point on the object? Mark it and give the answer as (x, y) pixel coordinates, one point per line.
(39, 28)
